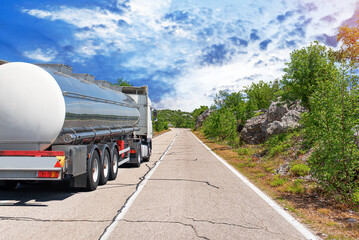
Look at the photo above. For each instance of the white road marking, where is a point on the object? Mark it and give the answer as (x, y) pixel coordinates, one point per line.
(130, 201)
(303, 230)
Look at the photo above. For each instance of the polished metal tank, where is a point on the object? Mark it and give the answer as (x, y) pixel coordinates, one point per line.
(40, 106)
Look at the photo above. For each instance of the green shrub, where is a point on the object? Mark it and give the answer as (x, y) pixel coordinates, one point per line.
(297, 186)
(300, 170)
(243, 151)
(277, 181)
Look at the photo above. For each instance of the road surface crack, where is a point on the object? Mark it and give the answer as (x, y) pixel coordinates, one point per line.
(168, 222)
(125, 205)
(184, 180)
(227, 224)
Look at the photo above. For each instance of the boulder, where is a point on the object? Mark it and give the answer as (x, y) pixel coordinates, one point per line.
(278, 119)
(202, 117)
(276, 111)
(253, 131)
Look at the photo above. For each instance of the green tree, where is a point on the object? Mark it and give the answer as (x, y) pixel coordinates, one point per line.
(306, 68)
(221, 124)
(261, 94)
(122, 82)
(198, 111)
(349, 37)
(330, 125)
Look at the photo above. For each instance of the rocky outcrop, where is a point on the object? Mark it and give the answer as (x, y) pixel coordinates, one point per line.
(278, 119)
(202, 117)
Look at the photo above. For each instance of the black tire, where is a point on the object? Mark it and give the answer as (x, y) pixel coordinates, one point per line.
(114, 165)
(138, 156)
(105, 168)
(93, 171)
(9, 185)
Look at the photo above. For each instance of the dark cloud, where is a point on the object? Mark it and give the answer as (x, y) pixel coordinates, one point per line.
(310, 7)
(180, 17)
(353, 20)
(291, 44)
(264, 44)
(206, 32)
(216, 54)
(281, 18)
(239, 42)
(289, 14)
(328, 19)
(260, 62)
(300, 27)
(328, 40)
(250, 78)
(254, 36)
(122, 23)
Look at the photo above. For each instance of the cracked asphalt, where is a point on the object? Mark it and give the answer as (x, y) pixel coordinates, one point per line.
(191, 195)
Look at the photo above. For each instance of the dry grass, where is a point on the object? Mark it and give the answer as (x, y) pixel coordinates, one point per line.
(328, 218)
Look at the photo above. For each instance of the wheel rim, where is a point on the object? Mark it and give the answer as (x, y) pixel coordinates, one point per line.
(105, 166)
(115, 163)
(95, 170)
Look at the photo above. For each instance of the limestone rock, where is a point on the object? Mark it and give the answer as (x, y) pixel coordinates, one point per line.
(278, 119)
(202, 117)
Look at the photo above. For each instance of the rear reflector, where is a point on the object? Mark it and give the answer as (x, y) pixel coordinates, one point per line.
(32, 153)
(48, 174)
(132, 151)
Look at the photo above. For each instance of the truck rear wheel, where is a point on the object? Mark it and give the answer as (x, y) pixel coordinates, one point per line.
(93, 171)
(114, 165)
(105, 168)
(138, 156)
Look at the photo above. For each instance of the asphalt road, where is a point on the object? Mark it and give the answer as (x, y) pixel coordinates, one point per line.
(183, 192)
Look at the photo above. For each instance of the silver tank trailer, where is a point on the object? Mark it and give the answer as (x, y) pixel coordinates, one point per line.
(40, 106)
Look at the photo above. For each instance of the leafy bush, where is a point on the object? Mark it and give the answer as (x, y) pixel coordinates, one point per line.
(300, 170)
(297, 186)
(308, 67)
(330, 125)
(279, 143)
(221, 124)
(277, 181)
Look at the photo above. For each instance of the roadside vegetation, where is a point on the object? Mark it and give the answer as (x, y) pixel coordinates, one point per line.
(173, 118)
(313, 170)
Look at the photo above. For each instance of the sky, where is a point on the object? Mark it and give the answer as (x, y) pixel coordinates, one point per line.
(186, 51)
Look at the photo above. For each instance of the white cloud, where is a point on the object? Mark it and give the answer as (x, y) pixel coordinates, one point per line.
(42, 55)
(158, 44)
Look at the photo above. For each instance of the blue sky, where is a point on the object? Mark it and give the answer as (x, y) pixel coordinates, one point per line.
(184, 50)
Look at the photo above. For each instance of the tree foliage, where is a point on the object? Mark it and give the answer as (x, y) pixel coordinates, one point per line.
(330, 126)
(174, 118)
(198, 111)
(122, 82)
(349, 37)
(261, 94)
(307, 67)
(232, 109)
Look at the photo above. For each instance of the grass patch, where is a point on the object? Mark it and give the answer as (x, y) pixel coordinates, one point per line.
(277, 181)
(300, 170)
(297, 186)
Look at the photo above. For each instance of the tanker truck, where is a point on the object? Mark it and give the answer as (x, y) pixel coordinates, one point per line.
(56, 125)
